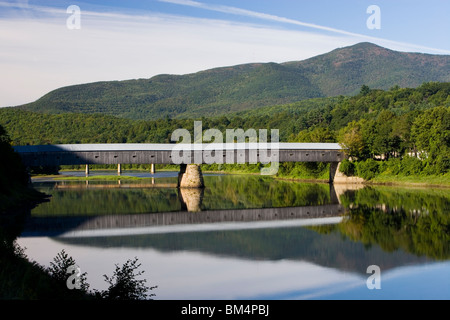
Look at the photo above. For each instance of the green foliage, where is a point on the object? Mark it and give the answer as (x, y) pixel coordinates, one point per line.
(395, 167)
(385, 125)
(367, 169)
(219, 91)
(411, 166)
(414, 220)
(224, 191)
(59, 267)
(27, 280)
(351, 138)
(364, 90)
(304, 170)
(108, 201)
(431, 133)
(315, 134)
(123, 284)
(347, 167)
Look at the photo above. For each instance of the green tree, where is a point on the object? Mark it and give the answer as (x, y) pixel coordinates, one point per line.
(384, 142)
(365, 90)
(351, 138)
(59, 268)
(431, 134)
(317, 134)
(123, 284)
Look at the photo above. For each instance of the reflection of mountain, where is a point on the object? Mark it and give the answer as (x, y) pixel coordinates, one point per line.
(389, 227)
(328, 249)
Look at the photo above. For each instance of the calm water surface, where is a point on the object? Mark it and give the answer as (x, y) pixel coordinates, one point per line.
(249, 237)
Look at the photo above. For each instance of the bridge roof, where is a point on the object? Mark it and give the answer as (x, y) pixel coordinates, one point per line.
(170, 146)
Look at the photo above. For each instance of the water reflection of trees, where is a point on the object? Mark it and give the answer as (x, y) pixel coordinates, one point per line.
(221, 192)
(416, 221)
(108, 201)
(241, 192)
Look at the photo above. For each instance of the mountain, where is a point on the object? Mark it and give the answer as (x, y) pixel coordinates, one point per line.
(343, 71)
(223, 90)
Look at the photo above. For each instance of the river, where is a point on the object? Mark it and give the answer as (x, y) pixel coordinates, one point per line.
(249, 237)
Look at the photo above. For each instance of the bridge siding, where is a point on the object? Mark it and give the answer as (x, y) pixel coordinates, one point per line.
(52, 225)
(56, 158)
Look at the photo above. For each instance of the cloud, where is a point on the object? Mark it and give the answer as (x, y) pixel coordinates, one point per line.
(269, 17)
(255, 14)
(40, 54)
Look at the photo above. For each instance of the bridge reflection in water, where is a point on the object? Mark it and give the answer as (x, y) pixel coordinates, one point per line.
(190, 218)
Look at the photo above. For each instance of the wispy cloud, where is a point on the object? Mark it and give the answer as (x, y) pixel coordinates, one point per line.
(38, 53)
(275, 18)
(255, 14)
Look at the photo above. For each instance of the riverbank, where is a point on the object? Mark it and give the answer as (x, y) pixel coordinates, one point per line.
(434, 181)
(442, 181)
(19, 198)
(21, 278)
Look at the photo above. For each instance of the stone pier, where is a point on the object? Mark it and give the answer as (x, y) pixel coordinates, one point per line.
(190, 176)
(337, 177)
(191, 199)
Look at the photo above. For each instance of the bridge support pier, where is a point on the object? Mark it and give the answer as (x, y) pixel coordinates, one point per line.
(338, 177)
(190, 176)
(119, 169)
(191, 199)
(334, 169)
(152, 168)
(334, 197)
(87, 170)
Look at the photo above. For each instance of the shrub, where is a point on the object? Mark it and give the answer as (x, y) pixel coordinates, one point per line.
(367, 169)
(123, 285)
(58, 270)
(411, 166)
(347, 167)
(391, 166)
(442, 164)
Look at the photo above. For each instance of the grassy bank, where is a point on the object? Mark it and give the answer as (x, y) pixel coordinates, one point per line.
(414, 180)
(396, 171)
(310, 171)
(374, 172)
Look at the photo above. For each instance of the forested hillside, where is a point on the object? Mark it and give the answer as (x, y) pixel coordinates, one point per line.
(373, 124)
(221, 91)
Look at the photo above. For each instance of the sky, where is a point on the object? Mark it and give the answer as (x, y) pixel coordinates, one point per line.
(45, 45)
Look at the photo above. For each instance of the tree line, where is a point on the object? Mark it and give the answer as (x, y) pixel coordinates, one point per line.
(375, 124)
